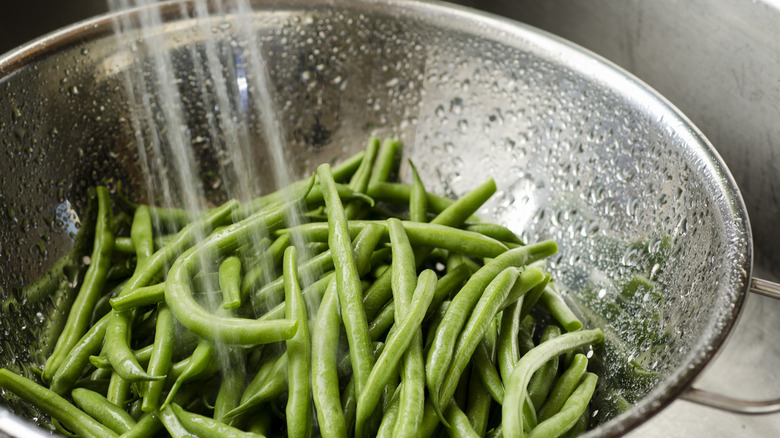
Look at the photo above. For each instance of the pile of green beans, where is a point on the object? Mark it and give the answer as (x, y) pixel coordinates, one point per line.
(385, 310)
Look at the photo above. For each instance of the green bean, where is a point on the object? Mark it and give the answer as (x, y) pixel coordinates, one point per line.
(564, 386)
(421, 234)
(404, 285)
(571, 411)
(390, 418)
(230, 330)
(525, 337)
(230, 282)
(453, 279)
(529, 297)
(543, 378)
(152, 268)
(484, 358)
(495, 231)
(98, 385)
(124, 245)
(452, 216)
(173, 425)
(325, 344)
(528, 364)
(58, 427)
(160, 361)
(103, 305)
(399, 193)
(418, 198)
(580, 427)
(341, 172)
(440, 354)
(460, 210)
(118, 391)
(257, 274)
(298, 351)
(140, 297)
(134, 409)
(269, 382)
(273, 292)
(315, 291)
(346, 193)
(205, 427)
(262, 422)
(349, 405)
(532, 297)
(73, 365)
(81, 311)
(474, 329)
(461, 426)
(508, 348)
(99, 374)
(55, 406)
(359, 181)
(348, 281)
(387, 160)
(396, 345)
(479, 401)
(232, 386)
(148, 425)
(121, 270)
(118, 350)
(102, 410)
(324, 379)
(184, 344)
(196, 364)
(554, 303)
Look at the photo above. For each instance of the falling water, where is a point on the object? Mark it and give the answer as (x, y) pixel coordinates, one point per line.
(228, 74)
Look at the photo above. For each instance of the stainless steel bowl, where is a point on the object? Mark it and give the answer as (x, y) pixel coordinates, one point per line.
(581, 151)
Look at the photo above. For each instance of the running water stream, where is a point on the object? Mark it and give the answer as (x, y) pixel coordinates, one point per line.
(234, 90)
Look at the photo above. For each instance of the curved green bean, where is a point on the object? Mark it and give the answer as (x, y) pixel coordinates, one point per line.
(230, 330)
(528, 364)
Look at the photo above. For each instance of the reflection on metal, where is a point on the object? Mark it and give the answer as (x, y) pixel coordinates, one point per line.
(765, 288)
(726, 403)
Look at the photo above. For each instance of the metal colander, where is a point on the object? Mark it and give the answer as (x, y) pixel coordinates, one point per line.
(655, 244)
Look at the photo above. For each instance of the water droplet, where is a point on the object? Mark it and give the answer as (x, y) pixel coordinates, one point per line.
(456, 105)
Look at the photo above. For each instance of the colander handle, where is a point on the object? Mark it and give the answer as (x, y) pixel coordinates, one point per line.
(731, 404)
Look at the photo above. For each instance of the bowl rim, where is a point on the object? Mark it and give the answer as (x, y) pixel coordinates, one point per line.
(489, 25)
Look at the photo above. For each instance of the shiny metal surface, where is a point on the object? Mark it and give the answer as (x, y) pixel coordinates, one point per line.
(583, 153)
(717, 61)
